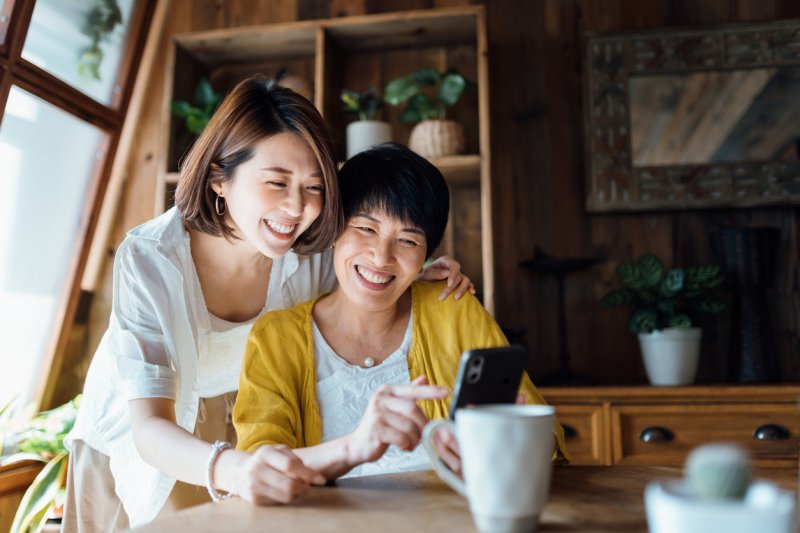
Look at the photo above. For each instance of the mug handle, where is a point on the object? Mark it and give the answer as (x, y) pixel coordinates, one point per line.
(442, 469)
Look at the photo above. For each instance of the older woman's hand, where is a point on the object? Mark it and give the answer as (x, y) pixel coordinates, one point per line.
(392, 417)
(448, 268)
(270, 474)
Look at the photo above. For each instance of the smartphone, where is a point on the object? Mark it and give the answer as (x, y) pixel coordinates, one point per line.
(489, 375)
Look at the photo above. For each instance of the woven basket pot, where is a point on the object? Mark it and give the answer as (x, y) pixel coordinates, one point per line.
(437, 138)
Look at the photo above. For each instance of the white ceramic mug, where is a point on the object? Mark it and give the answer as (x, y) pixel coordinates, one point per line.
(506, 459)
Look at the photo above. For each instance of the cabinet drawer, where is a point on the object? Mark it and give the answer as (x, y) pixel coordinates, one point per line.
(663, 435)
(587, 440)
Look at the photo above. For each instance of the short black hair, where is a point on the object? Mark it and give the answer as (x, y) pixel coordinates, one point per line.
(391, 178)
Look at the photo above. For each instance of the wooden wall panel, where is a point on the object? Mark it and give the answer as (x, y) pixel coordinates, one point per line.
(601, 345)
(538, 171)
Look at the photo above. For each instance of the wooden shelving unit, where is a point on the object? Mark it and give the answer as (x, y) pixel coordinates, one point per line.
(358, 53)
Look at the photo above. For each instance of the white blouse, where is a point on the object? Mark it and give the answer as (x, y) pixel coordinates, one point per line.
(343, 393)
(216, 349)
(152, 345)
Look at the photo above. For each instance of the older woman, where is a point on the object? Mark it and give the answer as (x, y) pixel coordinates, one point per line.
(338, 378)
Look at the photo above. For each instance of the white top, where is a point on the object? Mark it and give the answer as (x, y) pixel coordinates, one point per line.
(343, 393)
(216, 349)
(151, 348)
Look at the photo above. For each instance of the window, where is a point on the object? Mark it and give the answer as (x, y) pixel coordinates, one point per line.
(66, 70)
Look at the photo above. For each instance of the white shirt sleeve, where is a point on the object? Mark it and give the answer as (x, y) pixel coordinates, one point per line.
(138, 341)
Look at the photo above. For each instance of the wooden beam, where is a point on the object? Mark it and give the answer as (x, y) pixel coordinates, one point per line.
(111, 199)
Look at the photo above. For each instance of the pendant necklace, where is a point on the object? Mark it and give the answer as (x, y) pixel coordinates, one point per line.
(369, 362)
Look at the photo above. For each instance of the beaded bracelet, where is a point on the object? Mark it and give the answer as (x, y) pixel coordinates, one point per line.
(217, 448)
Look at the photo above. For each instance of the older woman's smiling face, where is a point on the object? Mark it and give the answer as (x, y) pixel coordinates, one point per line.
(377, 258)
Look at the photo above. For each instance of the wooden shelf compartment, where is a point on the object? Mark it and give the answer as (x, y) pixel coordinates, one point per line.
(356, 53)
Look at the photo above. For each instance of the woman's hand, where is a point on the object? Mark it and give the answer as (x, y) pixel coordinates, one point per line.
(392, 417)
(448, 268)
(271, 474)
(447, 448)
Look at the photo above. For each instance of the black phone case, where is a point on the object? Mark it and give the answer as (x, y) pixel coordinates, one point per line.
(490, 375)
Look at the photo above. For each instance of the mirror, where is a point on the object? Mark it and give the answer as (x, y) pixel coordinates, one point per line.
(690, 119)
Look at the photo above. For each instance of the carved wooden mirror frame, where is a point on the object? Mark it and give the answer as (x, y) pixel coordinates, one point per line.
(612, 181)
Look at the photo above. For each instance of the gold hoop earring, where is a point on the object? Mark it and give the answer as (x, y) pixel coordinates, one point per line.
(219, 205)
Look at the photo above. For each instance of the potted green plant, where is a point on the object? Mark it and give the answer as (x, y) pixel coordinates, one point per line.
(427, 94)
(101, 20)
(42, 439)
(667, 309)
(367, 131)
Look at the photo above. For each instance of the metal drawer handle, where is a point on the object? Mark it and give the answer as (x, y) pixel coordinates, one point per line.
(569, 431)
(771, 432)
(656, 434)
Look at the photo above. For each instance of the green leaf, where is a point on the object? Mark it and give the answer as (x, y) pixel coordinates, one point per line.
(350, 100)
(6, 409)
(196, 124)
(40, 494)
(410, 114)
(651, 270)
(452, 86)
(427, 107)
(400, 90)
(37, 521)
(680, 321)
(672, 284)
(204, 94)
(426, 77)
(704, 277)
(617, 297)
(420, 107)
(89, 63)
(709, 305)
(643, 320)
(183, 109)
(630, 275)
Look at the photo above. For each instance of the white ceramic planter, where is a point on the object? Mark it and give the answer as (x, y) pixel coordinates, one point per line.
(671, 509)
(363, 134)
(671, 355)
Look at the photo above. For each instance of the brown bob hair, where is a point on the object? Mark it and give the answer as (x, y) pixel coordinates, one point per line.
(255, 109)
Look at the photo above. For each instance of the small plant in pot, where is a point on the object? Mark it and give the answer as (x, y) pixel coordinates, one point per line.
(718, 494)
(427, 94)
(367, 131)
(668, 305)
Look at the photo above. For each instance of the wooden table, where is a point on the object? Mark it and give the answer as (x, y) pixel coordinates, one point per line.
(582, 498)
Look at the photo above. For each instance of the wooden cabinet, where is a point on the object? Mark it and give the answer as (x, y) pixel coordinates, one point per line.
(358, 53)
(585, 431)
(659, 426)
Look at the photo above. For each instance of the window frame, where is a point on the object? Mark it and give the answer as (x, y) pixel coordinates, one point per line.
(14, 70)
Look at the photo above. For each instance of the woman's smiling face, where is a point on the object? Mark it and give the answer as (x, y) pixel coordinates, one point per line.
(377, 257)
(275, 195)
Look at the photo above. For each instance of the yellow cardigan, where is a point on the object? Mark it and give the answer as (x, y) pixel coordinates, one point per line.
(277, 401)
